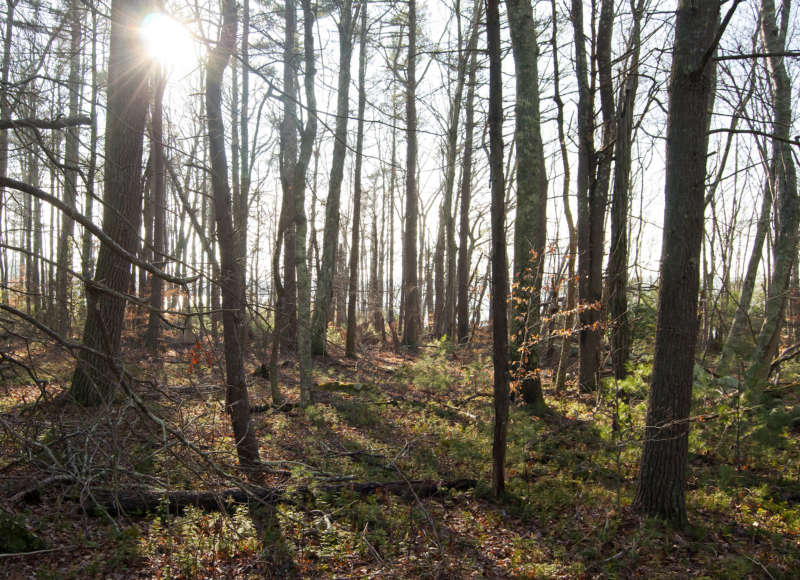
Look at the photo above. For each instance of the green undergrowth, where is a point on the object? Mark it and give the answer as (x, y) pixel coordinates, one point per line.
(566, 511)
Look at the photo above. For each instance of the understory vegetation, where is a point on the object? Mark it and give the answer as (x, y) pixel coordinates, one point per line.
(387, 417)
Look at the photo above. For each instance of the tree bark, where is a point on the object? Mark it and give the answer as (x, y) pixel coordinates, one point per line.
(350, 346)
(661, 489)
(499, 264)
(465, 192)
(299, 187)
(411, 290)
(530, 228)
(787, 206)
(158, 207)
(231, 270)
(319, 324)
(71, 159)
(94, 379)
(620, 329)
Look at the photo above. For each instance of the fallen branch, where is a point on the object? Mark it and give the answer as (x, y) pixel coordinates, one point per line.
(142, 501)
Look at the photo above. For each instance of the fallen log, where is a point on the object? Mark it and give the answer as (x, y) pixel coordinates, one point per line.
(142, 501)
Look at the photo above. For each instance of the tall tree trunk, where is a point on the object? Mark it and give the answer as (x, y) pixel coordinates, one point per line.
(589, 339)
(465, 202)
(71, 159)
(95, 377)
(787, 205)
(570, 307)
(286, 312)
(158, 207)
(299, 186)
(330, 241)
(411, 290)
(530, 228)
(661, 489)
(499, 265)
(232, 271)
(621, 339)
(241, 202)
(350, 347)
(5, 113)
(87, 258)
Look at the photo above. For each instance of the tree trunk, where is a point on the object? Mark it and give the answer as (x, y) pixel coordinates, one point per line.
(661, 488)
(71, 159)
(621, 338)
(306, 148)
(530, 228)
(319, 324)
(466, 194)
(350, 347)
(411, 290)
(5, 113)
(787, 205)
(499, 265)
(286, 312)
(232, 271)
(158, 205)
(95, 378)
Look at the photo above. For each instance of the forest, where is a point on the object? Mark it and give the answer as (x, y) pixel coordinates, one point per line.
(387, 288)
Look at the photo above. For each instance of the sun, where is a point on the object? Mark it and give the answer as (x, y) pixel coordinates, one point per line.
(168, 42)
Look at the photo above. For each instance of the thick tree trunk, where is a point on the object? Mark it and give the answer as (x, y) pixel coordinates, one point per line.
(499, 264)
(530, 228)
(319, 324)
(661, 488)
(94, 379)
(232, 271)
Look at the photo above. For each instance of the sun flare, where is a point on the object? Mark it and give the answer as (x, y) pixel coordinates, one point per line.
(168, 42)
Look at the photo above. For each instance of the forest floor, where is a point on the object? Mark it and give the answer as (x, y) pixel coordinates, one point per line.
(392, 417)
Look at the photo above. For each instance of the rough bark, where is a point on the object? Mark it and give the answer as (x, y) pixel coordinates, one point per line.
(661, 489)
(231, 270)
(589, 300)
(499, 265)
(94, 379)
(530, 228)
